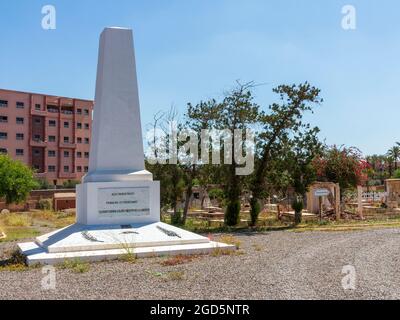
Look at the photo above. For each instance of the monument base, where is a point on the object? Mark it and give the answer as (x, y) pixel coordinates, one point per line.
(97, 243)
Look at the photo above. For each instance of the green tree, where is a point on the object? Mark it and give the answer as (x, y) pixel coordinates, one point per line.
(394, 153)
(305, 148)
(16, 180)
(284, 120)
(238, 111)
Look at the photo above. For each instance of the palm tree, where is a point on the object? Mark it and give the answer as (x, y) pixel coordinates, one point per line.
(394, 153)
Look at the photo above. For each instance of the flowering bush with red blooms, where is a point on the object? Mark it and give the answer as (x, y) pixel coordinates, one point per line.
(342, 165)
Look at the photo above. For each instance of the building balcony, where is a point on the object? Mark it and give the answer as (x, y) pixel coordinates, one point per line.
(40, 113)
(67, 145)
(38, 143)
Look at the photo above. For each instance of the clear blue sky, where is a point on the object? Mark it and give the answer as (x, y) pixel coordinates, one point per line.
(188, 50)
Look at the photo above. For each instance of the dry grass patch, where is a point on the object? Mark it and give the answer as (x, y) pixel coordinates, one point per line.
(218, 252)
(178, 260)
(175, 276)
(16, 220)
(229, 239)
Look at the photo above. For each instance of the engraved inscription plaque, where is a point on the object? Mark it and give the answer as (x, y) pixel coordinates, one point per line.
(123, 202)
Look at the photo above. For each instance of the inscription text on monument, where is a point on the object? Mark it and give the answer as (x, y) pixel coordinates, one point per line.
(123, 202)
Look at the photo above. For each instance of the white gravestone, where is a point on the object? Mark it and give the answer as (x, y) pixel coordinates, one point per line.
(118, 203)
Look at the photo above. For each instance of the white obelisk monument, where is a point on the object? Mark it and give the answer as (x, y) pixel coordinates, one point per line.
(118, 203)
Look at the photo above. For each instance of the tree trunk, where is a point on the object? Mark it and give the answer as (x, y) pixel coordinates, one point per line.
(189, 193)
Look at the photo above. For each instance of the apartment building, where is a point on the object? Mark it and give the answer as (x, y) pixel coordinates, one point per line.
(51, 134)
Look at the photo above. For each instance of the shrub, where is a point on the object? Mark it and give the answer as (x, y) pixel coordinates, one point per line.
(43, 184)
(70, 184)
(232, 213)
(255, 211)
(397, 174)
(16, 180)
(297, 206)
(45, 204)
(216, 194)
(176, 219)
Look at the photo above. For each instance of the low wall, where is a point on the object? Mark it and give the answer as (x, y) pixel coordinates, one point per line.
(33, 199)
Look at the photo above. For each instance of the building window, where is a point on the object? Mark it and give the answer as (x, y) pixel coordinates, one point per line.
(20, 120)
(86, 169)
(79, 140)
(66, 154)
(51, 154)
(3, 104)
(36, 153)
(38, 107)
(19, 152)
(86, 112)
(3, 119)
(20, 136)
(66, 124)
(3, 135)
(36, 167)
(87, 126)
(52, 123)
(52, 168)
(20, 105)
(86, 140)
(79, 125)
(79, 154)
(78, 111)
(3, 151)
(52, 138)
(37, 138)
(66, 168)
(66, 139)
(38, 121)
(86, 154)
(79, 169)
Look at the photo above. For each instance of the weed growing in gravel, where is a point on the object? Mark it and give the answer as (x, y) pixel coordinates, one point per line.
(175, 276)
(229, 239)
(75, 265)
(154, 273)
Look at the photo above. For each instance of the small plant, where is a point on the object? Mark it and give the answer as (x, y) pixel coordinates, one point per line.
(129, 256)
(45, 204)
(75, 265)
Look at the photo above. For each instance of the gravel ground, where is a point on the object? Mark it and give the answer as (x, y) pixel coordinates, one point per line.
(276, 265)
